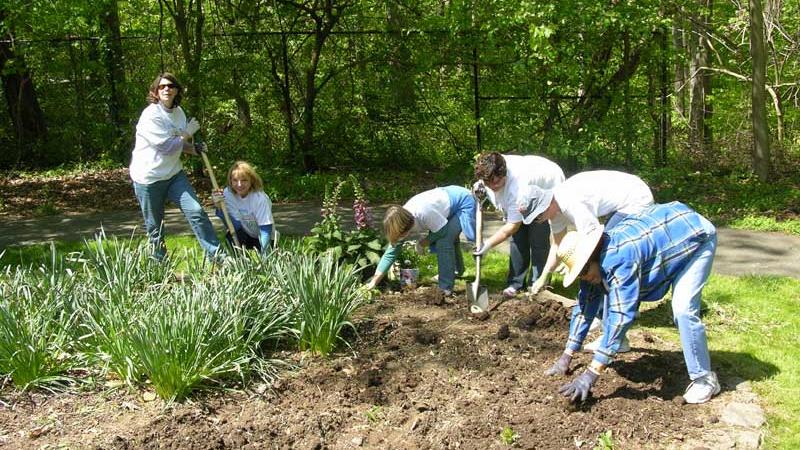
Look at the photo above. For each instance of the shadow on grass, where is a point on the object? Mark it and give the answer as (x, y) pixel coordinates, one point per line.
(662, 373)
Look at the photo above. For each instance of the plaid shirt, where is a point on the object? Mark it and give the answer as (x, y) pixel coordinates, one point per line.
(641, 256)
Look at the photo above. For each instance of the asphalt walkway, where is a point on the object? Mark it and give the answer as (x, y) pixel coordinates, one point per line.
(739, 252)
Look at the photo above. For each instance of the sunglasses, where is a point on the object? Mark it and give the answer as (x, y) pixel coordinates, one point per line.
(168, 86)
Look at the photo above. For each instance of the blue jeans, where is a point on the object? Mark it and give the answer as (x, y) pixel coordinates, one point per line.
(686, 296)
(152, 198)
(528, 247)
(448, 254)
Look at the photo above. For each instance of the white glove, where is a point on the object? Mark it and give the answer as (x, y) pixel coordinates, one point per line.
(479, 189)
(192, 127)
(218, 198)
(540, 283)
(484, 248)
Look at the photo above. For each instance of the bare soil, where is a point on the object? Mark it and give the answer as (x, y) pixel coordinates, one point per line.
(422, 373)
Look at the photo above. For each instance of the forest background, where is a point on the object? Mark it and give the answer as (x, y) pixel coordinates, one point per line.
(699, 93)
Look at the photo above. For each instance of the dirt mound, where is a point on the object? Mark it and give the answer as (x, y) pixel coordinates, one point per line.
(418, 376)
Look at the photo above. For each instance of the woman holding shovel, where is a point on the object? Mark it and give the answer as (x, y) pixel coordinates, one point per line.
(162, 134)
(440, 215)
(507, 180)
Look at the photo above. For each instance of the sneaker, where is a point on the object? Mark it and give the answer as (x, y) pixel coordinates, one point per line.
(591, 347)
(510, 291)
(702, 389)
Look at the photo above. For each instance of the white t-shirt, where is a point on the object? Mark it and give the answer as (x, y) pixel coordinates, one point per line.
(252, 211)
(430, 210)
(585, 197)
(156, 126)
(521, 172)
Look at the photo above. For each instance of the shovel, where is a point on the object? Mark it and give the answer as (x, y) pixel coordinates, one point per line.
(215, 186)
(477, 295)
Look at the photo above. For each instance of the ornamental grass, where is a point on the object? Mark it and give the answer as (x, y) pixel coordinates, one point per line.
(37, 325)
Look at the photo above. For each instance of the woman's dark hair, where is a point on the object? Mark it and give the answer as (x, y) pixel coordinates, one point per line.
(152, 95)
(490, 165)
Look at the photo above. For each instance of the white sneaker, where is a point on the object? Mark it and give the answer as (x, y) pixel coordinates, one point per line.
(702, 389)
(591, 347)
(510, 292)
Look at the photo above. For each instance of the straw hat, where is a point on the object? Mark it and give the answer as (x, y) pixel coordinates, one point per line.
(575, 249)
(534, 202)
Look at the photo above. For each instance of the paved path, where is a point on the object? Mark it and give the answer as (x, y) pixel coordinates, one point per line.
(739, 252)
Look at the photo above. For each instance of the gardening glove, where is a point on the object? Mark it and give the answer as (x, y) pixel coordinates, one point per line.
(218, 198)
(192, 127)
(580, 387)
(484, 248)
(540, 283)
(479, 189)
(419, 247)
(561, 367)
(200, 147)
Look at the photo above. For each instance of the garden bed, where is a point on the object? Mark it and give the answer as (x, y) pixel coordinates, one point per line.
(424, 373)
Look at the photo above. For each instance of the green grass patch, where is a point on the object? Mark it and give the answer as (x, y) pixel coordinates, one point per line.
(754, 333)
(760, 223)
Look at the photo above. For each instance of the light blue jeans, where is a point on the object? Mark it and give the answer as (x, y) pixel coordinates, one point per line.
(152, 198)
(448, 254)
(686, 296)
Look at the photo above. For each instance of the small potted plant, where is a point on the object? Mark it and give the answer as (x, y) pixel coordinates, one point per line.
(408, 264)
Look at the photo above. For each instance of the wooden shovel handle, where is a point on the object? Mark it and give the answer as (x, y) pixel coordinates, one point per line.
(215, 187)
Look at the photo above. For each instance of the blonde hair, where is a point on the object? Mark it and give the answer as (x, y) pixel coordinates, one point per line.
(247, 170)
(397, 222)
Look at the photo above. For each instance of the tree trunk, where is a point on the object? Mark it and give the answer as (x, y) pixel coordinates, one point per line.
(115, 76)
(189, 27)
(325, 17)
(626, 107)
(664, 124)
(761, 153)
(708, 110)
(681, 76)
(699, 82)
(400, 65)
(26, 115)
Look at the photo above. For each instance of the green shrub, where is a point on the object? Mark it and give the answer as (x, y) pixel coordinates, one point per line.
(37, 320)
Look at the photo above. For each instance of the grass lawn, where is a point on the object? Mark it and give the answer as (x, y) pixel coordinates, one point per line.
(753, 326)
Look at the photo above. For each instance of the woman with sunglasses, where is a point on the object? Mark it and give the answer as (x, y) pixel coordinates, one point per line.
(162, 135)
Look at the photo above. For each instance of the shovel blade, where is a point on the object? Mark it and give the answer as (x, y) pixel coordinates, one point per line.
(478, 297)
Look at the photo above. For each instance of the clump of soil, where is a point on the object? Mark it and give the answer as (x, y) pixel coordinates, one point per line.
(417, 376)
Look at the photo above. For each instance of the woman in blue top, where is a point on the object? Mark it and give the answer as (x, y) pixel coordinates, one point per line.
(440, 215)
